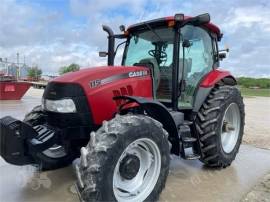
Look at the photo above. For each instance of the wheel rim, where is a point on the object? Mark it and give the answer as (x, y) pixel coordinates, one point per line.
(56, 151)
(143, 182)
(230, 128)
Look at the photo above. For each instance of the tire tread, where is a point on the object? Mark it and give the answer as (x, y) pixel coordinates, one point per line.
(206, 124)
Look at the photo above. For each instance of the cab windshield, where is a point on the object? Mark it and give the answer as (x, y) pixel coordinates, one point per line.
(154, 46)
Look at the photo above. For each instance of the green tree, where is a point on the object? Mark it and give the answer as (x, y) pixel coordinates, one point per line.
(71, 68)
(34, 72)
(254, 82)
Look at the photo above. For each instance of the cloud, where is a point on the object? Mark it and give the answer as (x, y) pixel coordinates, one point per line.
(52, 34)
(247, 17)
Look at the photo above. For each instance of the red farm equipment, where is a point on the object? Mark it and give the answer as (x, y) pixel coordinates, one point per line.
(168, 97)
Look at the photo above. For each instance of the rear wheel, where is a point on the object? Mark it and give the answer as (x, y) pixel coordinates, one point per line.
(54, 157)
(127, 159)
(220, 125)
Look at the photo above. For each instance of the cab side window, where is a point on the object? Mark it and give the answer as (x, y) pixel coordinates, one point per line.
(198, 61)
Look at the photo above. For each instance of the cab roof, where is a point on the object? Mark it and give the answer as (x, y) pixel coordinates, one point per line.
(170, 21)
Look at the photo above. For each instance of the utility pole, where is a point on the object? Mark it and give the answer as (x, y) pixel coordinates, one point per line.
(6, 66)
(18, 63)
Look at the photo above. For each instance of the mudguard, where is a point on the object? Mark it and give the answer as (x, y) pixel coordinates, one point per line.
(159, 112)
(208, 82)
(217, 75)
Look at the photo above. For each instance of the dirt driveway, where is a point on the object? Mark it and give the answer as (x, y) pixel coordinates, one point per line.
(257, 127)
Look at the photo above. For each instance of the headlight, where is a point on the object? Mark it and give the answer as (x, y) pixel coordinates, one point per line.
(62, 106)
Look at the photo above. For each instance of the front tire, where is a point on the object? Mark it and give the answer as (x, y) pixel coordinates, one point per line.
(127, 159)
(220, 126)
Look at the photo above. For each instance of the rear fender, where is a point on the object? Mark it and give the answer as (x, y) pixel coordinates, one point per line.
(216, 76)
(208, 82)
(159, 112)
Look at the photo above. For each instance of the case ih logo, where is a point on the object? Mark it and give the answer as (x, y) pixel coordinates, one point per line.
(98, 82)
(138, 73)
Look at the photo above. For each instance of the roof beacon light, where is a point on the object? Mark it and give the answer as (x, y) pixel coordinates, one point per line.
(179, 17)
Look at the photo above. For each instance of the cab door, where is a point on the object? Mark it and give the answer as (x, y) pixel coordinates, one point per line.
(198, 60)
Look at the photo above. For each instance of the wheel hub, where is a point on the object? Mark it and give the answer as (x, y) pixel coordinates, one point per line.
(129, 167)
(227, 127)
(137, 171)
(230, 128)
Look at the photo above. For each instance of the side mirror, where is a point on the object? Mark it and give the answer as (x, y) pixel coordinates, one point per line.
(102, 54)
(222, 53)
(186, 43)
(201, 19)
(221, 56)
(122, 28)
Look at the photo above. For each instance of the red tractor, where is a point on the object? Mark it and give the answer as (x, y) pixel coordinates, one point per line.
(167, 97)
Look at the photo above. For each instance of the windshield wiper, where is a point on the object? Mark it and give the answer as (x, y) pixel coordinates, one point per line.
(151, 29)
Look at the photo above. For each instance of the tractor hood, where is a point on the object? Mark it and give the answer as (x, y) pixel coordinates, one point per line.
(96, 78)
(100, 85)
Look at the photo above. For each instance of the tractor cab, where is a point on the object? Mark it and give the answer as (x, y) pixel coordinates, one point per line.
(180, 51)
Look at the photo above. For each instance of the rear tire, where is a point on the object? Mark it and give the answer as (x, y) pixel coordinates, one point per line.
(51, 158)
(98, 172)
(210, 126)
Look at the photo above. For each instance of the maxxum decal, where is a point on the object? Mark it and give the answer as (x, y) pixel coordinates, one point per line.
(98, 82)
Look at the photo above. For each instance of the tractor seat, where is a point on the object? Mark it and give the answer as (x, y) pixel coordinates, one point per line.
(165, 87)
(188, 65)
(155, 70)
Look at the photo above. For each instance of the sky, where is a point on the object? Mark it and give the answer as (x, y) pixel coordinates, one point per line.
(54, 33)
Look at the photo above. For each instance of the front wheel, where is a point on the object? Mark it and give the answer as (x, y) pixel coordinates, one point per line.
(127, 159)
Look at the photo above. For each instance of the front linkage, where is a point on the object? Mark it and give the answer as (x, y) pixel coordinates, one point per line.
(20, 141)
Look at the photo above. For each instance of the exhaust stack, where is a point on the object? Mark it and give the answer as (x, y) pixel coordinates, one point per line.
(111, 42)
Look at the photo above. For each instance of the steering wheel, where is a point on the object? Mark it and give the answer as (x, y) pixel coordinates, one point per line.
(154, 53)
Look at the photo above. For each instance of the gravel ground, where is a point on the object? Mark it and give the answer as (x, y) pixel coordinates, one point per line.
(257, 133)
(261, 192)
(257, 127)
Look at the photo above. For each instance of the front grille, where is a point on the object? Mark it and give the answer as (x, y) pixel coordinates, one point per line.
(82, 117)
(68, 120)
(55, 90)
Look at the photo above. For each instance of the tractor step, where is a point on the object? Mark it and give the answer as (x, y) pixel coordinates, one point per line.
(188, 123)
(192, 156)
(188, 154)
(189, 139)
(184, 131)
(187, 142)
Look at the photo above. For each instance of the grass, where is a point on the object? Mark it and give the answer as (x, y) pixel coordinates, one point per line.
(247, 92)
